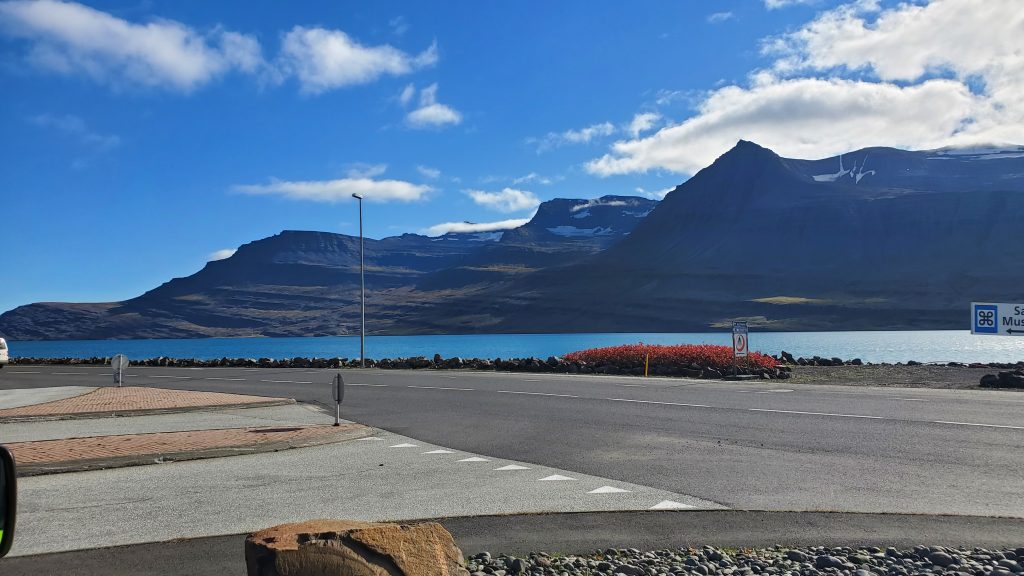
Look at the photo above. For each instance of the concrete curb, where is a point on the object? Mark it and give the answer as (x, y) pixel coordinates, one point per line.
(145, 412)
(354, 432)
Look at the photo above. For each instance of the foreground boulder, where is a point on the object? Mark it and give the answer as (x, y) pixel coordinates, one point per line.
(349, 548)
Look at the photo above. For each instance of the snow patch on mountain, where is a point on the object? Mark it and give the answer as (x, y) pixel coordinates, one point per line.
(857, 173)
(572, 231)
(581, 215)
(635, 214)
(597, 202)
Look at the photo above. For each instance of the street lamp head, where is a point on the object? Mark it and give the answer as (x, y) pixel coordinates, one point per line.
(357, 195)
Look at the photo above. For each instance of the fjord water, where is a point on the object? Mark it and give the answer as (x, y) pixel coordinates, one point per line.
(922, 346)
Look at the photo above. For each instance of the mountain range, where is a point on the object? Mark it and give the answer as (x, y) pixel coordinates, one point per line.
(879, 238)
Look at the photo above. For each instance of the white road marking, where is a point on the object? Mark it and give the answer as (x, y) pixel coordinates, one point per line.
(607, 490)
(911, 399)
(982, 425)
(283, 381)
(773, 391)
(653, 402)
(403, 445)
(632, 385)
(370, 438)
(23, 372)
(69, 373)
(440, 452)
(440, 388)
(536, 394)
(178, 377)
(817, 413)
(231, 379)
(512, 467)
(374, 385)
(670, 505)
(555, 478)
(474, 459)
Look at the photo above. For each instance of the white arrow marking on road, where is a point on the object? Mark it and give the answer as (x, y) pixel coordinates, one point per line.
(440, 452)
(607, 490)
(512, 467)
(405, 445)
(474, 459)
(555, 477)
(670, 505)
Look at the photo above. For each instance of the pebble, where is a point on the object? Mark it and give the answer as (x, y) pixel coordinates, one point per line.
(778, 561)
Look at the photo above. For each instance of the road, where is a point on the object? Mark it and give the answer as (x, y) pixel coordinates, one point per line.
(755, 446)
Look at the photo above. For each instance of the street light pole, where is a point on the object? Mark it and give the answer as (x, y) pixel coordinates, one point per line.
(362, 289)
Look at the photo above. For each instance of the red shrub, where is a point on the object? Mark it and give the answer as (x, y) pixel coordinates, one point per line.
(675, 356)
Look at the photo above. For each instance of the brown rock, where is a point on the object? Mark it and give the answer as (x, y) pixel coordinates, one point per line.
(350, 548)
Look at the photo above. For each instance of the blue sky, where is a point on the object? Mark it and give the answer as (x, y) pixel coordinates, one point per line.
(139, 138)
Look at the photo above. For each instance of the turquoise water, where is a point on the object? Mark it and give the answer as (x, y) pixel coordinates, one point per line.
(923, 346)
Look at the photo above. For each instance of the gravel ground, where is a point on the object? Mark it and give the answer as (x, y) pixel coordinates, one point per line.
(925, 376)
(708, 561)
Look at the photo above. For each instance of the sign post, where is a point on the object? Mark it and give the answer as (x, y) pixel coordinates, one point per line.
(119, 363)
(740, 343)
(997, 319)
(339, 395)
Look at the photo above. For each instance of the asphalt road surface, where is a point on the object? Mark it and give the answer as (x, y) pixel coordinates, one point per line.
(756, 446)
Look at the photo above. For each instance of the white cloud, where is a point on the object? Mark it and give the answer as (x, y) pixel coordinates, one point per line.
(719, 17)
(74, 126)
(363, 170)
(913, 76)
(327, 59)
(470, 227)
(775, 4)
(406, 95)
(69, 38)
(534, 177)
(506, 200)
(580, 136)
(428, 172)
(431, 113)
(654, 194)
(339, 190)
(222, 254)
(399, 25)
(642, 122)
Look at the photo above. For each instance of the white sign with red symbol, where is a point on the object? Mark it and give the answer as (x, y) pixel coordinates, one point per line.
(740, 343)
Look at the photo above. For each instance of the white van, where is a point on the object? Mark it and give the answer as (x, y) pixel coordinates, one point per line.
(4, 359)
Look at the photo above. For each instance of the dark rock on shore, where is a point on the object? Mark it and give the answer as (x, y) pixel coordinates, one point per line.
(1014, 379)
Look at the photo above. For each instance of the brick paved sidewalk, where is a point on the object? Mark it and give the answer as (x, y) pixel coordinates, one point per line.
(131, 399)
(71, 454)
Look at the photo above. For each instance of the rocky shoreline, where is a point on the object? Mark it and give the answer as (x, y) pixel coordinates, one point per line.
(778, 561)
(1009, 375)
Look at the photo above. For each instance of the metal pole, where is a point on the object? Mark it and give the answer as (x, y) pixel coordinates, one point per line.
(362, 293)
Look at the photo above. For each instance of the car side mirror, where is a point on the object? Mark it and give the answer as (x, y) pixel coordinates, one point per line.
(8, 499)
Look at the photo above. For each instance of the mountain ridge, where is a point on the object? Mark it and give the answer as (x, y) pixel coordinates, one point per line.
(877, 238)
